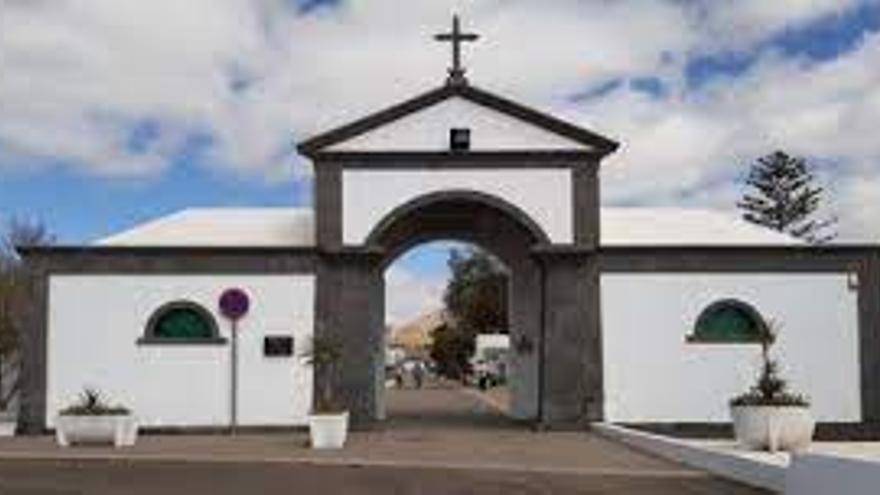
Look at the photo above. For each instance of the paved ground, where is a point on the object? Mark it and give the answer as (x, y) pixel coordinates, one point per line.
(105, 478)
(439, 440)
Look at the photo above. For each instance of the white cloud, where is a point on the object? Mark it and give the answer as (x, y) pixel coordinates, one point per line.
(76, 76)
(859, 197)
(702, 140)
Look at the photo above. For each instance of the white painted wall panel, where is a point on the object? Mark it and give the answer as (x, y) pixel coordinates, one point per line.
(652, 374)
(95, 321)
(370, 195)
(428, 130)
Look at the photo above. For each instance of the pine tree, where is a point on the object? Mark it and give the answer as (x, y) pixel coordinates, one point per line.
(782, 195)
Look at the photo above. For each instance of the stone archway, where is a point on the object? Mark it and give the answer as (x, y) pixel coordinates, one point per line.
(559, 357)
(501, 229)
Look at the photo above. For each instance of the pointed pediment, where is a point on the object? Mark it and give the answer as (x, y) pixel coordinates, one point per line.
(423, 124)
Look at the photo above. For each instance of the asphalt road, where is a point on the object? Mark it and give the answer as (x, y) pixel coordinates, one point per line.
(163, 478)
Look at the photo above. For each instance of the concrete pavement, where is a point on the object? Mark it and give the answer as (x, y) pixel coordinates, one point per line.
(439, 440)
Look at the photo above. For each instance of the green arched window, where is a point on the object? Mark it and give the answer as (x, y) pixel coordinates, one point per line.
(729, 321)
(182, 322)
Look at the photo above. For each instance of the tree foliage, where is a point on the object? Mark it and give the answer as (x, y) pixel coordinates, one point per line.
(14, 291)
(451, 350)
(476, 302)
(476, 295)
(324, 354)
(782, 195)
(770, 388)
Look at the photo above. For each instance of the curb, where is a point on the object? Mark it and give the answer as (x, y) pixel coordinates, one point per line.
(724, 464)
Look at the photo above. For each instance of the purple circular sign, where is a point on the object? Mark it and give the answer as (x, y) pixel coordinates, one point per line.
(234, 303)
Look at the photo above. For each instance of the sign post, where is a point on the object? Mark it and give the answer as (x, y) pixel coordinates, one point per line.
(234, 304)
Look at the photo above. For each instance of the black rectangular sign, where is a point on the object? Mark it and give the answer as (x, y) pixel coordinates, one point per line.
(277, 346)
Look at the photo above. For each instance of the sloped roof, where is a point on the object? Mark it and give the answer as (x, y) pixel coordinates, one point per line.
(282, 227)
(640, 226)
(316, 144)
(210, 227)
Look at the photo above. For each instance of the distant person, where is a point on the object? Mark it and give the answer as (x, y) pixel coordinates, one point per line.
(418, 374)
(408, 371)
(398, 377)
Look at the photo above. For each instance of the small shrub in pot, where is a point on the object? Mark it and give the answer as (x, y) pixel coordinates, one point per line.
(768, 416)
(328, 422)
(92, 420)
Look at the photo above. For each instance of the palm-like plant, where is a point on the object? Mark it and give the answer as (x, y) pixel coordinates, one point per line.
(770, 389)
(91, 403)
(324, 353)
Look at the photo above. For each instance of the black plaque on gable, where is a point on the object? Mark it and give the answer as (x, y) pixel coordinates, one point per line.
(277, 346)
(459, 139)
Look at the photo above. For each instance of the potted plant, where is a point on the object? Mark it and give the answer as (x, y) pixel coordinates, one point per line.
(768, 416)
(328, 421)
(92, 420)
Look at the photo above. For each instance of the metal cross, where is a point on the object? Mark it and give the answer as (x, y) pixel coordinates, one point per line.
(456, 72)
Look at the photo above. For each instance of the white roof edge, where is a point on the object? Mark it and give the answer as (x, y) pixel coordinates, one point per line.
(221, 227)
(294, 227)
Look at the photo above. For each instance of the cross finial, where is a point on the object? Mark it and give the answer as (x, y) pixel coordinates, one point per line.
(456, 72)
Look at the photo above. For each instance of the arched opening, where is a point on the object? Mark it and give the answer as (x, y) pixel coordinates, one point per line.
(447, 341)
(509, 236)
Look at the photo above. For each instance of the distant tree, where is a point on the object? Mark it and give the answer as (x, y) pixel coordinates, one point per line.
(451, 350)
(476, 302)
(14, 291)
(476, 295)
(782, 195)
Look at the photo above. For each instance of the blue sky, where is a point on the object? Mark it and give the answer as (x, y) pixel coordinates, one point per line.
(119, 112)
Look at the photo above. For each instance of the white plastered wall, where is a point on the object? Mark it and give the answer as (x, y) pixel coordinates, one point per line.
(428, 130)
(652, 375)
(94, 323)
(545, 195)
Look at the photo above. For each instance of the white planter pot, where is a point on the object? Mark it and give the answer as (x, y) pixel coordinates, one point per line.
(118, 430)
(773, 428)
(328, 431)
(7, 428)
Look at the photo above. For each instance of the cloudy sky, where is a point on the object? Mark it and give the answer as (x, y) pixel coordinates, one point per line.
(115, 111)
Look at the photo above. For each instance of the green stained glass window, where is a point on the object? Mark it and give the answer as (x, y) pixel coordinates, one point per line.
(182, 321)
(729, 321)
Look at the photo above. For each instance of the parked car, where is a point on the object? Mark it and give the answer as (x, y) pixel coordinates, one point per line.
(487, 373)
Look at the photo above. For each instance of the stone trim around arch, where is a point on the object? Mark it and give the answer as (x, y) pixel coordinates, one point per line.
(459, 196)
(585, 190)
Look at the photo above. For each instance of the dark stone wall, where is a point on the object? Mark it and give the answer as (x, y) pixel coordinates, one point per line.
(328, 205)
(32, 412)
(869, 336)
(571, 384)
(586, 203)
(349, 294)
